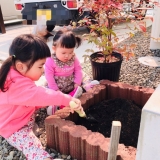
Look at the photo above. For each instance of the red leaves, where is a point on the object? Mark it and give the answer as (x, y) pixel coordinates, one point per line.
(128, 55)
(107, 13)
(106, 5)
(127, 51)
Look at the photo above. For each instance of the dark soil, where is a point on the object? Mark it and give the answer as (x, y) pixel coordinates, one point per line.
(125, 111)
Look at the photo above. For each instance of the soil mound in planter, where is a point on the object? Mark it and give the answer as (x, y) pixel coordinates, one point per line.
(125, 111)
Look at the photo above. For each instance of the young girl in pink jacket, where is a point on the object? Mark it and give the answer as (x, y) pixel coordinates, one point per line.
(20, 97)
(63, 71)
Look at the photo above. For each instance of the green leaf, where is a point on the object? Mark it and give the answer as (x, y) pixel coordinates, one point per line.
(113, 33)
(82, 21)
(86, 57)
(89, 50)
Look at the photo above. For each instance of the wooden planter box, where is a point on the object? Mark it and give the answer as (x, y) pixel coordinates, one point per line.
(82, 144)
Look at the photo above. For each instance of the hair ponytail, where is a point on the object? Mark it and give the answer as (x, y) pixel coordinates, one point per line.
(4, 69)
(78, 41)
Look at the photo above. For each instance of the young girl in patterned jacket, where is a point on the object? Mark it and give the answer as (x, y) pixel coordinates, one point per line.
(63, 70)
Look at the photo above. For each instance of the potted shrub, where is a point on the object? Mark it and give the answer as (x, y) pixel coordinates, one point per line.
(106, 63)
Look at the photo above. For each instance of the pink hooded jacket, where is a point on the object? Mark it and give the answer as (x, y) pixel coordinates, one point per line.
(21, 100)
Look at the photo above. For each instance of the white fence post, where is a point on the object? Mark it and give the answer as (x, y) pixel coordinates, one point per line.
(149, 134)
(114, 140)
(155, 33)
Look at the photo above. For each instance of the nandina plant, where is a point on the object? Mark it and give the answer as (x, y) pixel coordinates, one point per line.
(104, 15)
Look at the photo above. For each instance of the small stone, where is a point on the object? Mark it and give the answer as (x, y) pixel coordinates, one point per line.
(12, 153)
(5, 150)
(69, 157)
(53, 155)
(54, 151)
(9, 157)
(16, 158)
(18, 154)
(64, 156)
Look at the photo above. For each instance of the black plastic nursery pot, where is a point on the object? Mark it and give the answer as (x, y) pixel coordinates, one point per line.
(110, 71)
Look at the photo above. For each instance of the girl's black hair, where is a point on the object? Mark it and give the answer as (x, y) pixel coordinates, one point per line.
(66, 39)
(27, 49)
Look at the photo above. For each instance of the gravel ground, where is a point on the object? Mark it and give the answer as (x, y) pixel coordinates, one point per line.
(132, 72)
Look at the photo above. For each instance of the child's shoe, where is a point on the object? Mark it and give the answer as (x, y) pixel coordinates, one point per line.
(77, 92)
(51, 110)
(90, 84)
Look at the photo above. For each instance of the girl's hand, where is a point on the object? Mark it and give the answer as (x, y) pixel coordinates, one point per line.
(78, 105)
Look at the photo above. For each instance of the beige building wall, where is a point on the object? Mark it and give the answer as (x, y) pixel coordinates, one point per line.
(8, 10)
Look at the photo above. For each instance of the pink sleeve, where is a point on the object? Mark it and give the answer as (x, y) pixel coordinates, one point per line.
(27, 93)
(49, 74)
(77, 72)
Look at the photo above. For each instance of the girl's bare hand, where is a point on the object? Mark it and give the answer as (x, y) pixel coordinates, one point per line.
(78, 105)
